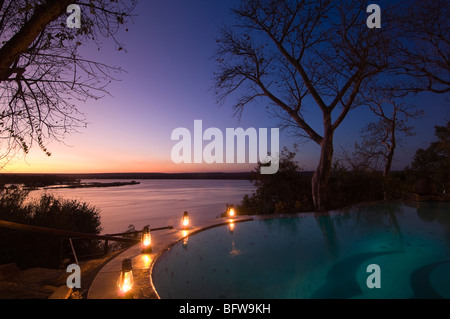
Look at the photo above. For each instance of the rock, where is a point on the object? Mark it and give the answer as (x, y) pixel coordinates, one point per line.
(33, 283)
(8, 270)
(49, 288)
(43, 283)
(62, 292)
(41, 276)
(6, 285)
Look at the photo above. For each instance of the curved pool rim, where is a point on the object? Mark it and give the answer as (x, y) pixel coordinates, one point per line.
(247, 218)
(240, 219)
(343, 211)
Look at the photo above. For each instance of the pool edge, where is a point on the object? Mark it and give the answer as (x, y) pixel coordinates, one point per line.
(193, 232)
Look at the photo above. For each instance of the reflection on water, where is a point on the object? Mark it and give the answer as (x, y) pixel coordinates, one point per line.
(317, 256)
(158, 202)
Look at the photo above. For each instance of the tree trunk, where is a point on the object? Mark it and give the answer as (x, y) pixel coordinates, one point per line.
(389, 158)
(20, 42)
(387, 169)
(322, 173)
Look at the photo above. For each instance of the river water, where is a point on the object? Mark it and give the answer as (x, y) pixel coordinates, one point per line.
(157, 202)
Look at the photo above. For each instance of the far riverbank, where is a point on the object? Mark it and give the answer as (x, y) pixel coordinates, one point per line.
(94, 184)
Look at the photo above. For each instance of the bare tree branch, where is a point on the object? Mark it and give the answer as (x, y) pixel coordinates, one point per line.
(43, 75)
(381, 138)
(301, 55)
(424, 54)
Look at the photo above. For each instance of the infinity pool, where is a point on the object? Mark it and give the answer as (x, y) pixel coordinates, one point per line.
(316, 256)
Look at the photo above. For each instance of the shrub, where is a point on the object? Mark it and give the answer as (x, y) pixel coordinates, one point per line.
(289, 190)
(29, 249)
(350, 187)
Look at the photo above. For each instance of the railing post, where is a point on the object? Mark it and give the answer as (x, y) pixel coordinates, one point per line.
(106, 247)
(73, 251)
(61, 243)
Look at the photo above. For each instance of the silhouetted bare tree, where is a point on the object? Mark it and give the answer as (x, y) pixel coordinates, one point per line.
(42, 73)
(424, 52)
(380, 138)
(301, 56)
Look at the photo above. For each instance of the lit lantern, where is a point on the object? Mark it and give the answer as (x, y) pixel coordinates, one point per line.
(231, 212)
(185, 220)
(126, 280)
(146, 240)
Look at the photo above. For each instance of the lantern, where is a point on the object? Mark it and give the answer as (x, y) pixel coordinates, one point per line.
(185, 220)
(146, 240)
(231, 212)
(126, 280)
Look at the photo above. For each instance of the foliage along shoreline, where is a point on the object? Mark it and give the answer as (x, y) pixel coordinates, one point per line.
(94, 184)
(30, 179)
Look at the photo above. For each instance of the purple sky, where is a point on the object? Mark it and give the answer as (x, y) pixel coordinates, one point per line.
(169, 63)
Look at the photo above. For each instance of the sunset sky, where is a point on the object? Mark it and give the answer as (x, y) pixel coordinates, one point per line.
(169, 63)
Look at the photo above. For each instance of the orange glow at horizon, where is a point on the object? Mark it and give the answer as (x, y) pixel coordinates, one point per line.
(47, 168)
(44, 168)
(81, 165)
(66, 162)
(91, 158)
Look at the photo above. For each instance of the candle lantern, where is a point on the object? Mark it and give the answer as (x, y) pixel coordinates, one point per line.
(146, 240)
(185, 220)
(126, 280)
(231, 212)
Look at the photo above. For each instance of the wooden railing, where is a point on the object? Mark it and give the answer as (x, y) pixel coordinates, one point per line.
(77, 235)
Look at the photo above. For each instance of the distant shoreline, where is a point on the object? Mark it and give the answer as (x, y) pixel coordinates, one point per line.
(213, 175)
(36, 180)
(24, 177)
(95, 184)
(218, 175)
(44, 179)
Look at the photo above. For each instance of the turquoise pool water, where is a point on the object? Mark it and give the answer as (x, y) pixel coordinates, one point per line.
(316, 256)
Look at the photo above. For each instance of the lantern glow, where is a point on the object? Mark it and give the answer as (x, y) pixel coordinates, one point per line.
(185, 238)
(231, 227)
(185, 220)
(126, 280)
(146, 239)
(231, 212)
(146, 260)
